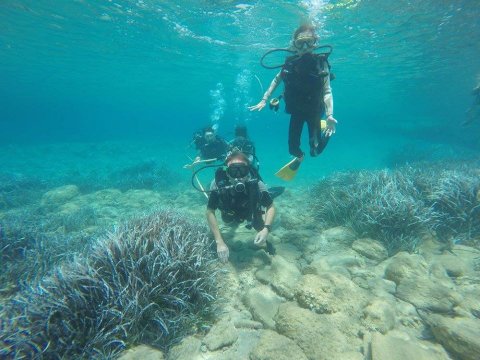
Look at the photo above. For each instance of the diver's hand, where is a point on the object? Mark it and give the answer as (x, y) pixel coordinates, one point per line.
(222, 252)
(261, 237)
(259, 106)
(331, 126)
(192, 165)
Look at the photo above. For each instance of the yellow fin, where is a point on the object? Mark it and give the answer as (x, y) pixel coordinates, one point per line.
(289, 171)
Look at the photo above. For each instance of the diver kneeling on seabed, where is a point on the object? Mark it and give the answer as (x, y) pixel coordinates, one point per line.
(240, 196)
(307, 95)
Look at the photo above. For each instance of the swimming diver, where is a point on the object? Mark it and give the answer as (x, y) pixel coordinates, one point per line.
(307, 96)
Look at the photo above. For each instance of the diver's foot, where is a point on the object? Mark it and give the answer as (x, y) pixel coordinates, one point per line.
(313, 152)
(270, 248)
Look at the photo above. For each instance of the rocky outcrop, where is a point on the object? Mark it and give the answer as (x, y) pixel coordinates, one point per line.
(273, 346)
(187, 349)
(371, 249)
(460, 336)
(59, 196)
(263, 304)
(391, 347)
(282, 275)
(379, 316)
(220, 335)
(405, 266)
(317, 335)
(426, 294)
(329, 293)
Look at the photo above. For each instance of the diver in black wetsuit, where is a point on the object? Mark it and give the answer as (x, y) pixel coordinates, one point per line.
(209, 145)
(474, 111)
(307, 96)
(240, 196)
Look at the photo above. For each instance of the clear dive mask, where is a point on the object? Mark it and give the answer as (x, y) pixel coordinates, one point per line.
(238, 174)
(238, 170)
(305, 41)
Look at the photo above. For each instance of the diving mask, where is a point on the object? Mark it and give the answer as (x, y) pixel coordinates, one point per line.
(209, 136)
(238, 170)
(305, 41)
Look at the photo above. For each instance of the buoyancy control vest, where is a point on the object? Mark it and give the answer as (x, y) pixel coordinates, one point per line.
(304, 78)
(243, 205)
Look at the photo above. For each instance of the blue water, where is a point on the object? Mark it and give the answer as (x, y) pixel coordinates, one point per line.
(155, 71)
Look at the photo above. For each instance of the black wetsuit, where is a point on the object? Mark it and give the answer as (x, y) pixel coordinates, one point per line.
(217, 149)
(304, 79)
(243, 144)
(236, 207)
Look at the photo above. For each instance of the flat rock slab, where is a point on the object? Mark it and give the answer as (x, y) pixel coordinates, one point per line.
(317, 335)
(329, 293)
(273, 346)
(371, 249)
(187, 349)
(460, 336)
(222, 334)
(405, 266)
(427, 294)
(263, 303)
(385, 347)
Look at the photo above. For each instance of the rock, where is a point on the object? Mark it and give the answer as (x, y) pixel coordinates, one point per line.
(188, 349)
(273, 346)
(371, 249)
(263, 304)
(404, 265)
(288, 251)
(282, 275)
(471, 294)
(363, 277)
(379, 316)
(248, 324)
(407, 317)
(381, 287)
(59, 195)
(453, 266)
(440, 275)
(393, 348)
(333, 240)
(339, 235)
(264, 275)
(350, 355)
(317, 335)
(342, 262)
(329, 293)
(424, 293)
(143, 352)
(460, 336)
(220, 335)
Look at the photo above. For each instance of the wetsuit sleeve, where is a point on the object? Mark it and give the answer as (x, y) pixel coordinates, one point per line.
(265, 198)
(327, 92)
(273, 85)
(214, 197)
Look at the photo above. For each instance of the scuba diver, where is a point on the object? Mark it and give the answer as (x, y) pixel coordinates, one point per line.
(474, 111)
(243, 143)
(240, 196)
(307, 96)
(209, 145)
